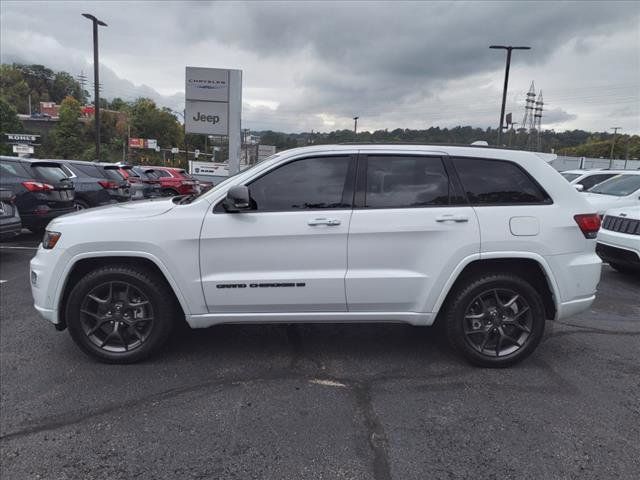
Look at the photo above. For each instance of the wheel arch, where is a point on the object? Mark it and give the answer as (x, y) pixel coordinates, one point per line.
(83, 264)
(531, 267)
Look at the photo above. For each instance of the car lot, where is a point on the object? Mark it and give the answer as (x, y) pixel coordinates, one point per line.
(319, 401)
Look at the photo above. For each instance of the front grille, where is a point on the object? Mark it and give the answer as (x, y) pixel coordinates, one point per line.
(621, 224)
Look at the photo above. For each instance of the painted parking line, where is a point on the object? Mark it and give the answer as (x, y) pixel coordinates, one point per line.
(3, 281)
(7, 247)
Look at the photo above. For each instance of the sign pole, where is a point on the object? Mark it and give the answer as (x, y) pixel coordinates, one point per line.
(235, 109)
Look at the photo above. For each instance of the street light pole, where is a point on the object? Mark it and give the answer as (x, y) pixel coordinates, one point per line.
(506, 82)
(96, 78)
(355, 125)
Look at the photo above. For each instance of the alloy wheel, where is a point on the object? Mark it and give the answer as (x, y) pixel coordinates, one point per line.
(116, 316)
(498, 322)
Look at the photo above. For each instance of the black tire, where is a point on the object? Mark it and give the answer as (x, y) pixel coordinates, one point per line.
(627, 270)
(159, 306)
(170, 192)
(527, 312)
(81, 205)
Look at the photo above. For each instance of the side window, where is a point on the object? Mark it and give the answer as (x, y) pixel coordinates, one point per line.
(162, 173)
(311, 183)
(592, 180)
(497, 182)
(10, 170)
(405, 181)
(70, 173)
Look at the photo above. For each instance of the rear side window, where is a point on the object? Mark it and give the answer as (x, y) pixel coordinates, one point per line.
(48, 173)
(497, 182)
(570, 176)
(405, 181)
(161, 173)
(592, 180)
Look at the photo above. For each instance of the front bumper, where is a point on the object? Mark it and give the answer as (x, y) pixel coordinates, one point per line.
(45, 273)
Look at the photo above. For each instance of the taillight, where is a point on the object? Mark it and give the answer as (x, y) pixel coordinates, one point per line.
(589, 224)
(37, 186)
(108, 184)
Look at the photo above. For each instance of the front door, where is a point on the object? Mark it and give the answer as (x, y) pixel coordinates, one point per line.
(289, 252)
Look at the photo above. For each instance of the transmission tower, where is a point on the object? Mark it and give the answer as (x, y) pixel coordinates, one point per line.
(82, 80)
(527, 121)
(537, 121)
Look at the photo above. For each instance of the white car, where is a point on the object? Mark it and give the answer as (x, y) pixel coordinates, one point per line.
(619, 239)
(619, 191)
(490, 243)
(588, 178)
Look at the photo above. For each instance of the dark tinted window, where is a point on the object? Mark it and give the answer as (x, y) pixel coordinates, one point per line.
(592, 180)
(88, 170)
(48, 173)
(495, 182)
(406, 181)
(570, 176)
(113, 174)
(12, 169)
(303, 184)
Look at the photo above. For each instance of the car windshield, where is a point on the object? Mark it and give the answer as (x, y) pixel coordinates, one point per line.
(619, 186)
(570, 176)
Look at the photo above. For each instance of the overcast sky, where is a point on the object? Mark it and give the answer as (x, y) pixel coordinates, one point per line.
(316, 65)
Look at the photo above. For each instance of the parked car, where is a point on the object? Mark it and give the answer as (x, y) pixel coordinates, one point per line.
(137, 176)
(10, 223)
(204, 185)
(489, 243)
(176, 181)
(619, 191)
(90, 182)
(42, 189)
(619, 239)
(117, 186)
(585, 179)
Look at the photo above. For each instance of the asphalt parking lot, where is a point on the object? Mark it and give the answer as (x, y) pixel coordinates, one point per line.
(319, 401)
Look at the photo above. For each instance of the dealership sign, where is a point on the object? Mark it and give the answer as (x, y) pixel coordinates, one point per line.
(23, 149)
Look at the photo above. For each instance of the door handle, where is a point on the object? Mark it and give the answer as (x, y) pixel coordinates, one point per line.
(323, 221)
(452, 218)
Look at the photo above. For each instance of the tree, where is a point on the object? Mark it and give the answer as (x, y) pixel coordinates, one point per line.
(9, 123)
(68, 141)
(65, 85)
(13, 88)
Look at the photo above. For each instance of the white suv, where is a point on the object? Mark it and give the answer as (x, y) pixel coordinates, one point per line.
(487, 243)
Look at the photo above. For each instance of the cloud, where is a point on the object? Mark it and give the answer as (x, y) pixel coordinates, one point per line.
(317, 64)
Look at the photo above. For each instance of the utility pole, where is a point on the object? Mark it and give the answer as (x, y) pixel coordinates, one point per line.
(355, 125)
(511, 132)
(613, 143)
(506, 82)
(96, 79)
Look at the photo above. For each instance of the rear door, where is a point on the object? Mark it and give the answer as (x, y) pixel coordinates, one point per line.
(409, 230)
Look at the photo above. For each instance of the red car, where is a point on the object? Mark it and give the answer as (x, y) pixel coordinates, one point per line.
(176, 181)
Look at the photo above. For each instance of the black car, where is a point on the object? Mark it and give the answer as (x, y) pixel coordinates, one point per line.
(42, 189)
(146, 176)
(91, 183)
(117, 185)
(10, 223)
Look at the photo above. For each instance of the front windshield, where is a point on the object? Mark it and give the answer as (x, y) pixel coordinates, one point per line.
(570, 176)
(619, 186)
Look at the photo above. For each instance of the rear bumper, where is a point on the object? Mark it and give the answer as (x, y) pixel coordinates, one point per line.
(31, 220)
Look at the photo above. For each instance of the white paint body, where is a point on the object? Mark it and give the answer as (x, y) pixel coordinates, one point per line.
(623, 241)
(387, 265)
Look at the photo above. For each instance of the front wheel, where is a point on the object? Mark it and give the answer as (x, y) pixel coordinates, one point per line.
(120, 313)
(495, 320)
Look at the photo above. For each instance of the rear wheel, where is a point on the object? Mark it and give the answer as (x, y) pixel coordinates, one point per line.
(81, 205)
(120, 313)
(495, 320)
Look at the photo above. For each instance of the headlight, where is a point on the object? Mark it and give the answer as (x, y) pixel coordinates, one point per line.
(50, 239)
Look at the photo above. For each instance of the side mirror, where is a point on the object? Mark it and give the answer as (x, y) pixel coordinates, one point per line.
(578, 186)
(237, 199)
